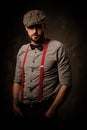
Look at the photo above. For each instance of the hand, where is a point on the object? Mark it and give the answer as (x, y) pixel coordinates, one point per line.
(17, 110)
(50, 113)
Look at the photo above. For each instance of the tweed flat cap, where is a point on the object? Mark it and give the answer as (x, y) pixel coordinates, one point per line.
(33, 17)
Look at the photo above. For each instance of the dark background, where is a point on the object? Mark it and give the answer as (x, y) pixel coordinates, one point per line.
(67, 22)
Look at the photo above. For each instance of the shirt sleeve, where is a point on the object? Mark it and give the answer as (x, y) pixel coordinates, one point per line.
(64, 67)
(18, 70)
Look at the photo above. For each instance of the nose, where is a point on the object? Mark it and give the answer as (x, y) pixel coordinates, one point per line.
(35, 30)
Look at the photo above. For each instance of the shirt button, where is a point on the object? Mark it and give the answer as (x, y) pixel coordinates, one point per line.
(30, 89)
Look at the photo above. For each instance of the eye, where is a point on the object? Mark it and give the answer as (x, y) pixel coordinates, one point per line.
(31, 27)
(37, 26)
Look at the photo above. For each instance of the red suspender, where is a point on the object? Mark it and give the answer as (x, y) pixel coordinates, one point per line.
(41, 70)
(23, 72)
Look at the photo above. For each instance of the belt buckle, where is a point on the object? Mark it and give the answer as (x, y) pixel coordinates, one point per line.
(31, 105)
(40, 101)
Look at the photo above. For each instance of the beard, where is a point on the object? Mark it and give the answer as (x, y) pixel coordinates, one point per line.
(38, 39)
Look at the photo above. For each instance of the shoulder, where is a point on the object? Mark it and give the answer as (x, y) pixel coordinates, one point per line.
(56, 44)
(22, 49)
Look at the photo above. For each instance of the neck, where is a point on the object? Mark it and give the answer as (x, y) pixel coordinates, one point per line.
(40, 41)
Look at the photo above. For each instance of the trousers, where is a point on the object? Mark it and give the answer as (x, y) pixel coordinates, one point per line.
(34, 117)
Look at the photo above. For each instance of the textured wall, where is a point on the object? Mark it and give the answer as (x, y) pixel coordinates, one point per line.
(67, 23)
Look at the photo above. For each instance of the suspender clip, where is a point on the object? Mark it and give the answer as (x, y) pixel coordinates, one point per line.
(41, 66)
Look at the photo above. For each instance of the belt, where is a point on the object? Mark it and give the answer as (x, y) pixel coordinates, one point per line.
(37, 105)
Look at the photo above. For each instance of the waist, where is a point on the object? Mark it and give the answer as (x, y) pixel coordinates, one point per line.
(36, 105)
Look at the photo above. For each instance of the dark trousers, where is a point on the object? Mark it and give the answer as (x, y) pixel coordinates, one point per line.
(34, 117)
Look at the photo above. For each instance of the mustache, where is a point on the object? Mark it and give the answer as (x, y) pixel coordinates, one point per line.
(35, 34)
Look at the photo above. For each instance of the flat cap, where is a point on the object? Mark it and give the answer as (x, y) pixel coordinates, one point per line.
(33, 17)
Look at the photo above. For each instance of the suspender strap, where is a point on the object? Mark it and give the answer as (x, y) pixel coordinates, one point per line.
(23, 72)
(41, 70)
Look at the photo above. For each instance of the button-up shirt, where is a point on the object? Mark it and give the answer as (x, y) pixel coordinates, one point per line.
(57, 71)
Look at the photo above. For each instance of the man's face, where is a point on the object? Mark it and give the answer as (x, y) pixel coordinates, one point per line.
(35, 32)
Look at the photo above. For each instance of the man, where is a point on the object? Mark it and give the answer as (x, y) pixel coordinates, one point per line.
(42, 76)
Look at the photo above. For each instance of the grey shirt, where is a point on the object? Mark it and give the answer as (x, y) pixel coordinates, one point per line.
(57, 71)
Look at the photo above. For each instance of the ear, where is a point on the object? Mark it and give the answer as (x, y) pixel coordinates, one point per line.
(26, 28)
